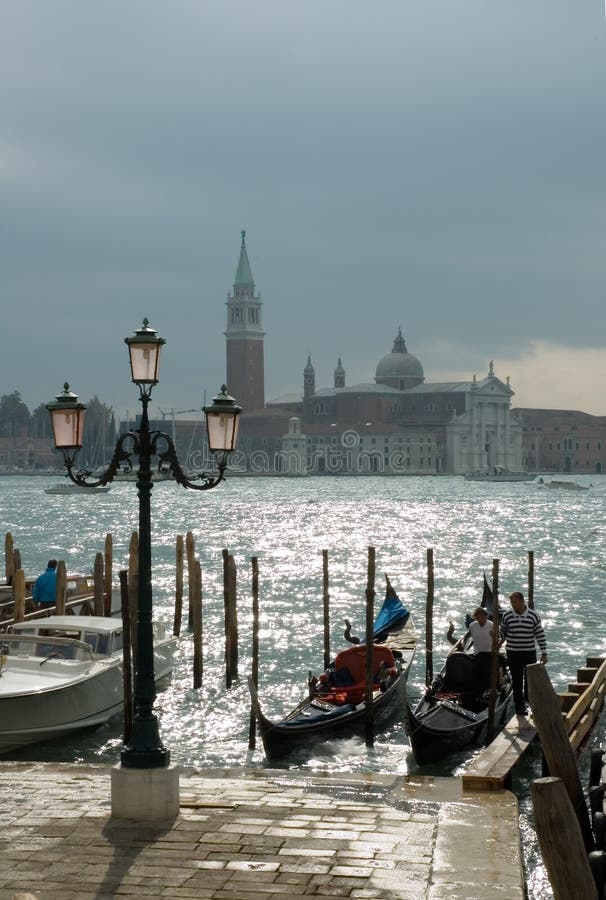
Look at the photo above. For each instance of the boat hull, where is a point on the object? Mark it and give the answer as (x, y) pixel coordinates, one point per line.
(280, 740)
(68, 697)
(53, 712)
(440, 729)
(503, 478)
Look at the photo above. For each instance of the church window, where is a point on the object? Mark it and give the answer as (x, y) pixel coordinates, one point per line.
(586, 446)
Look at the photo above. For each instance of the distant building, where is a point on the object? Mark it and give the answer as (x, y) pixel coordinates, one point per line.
(563, 440)
(244, 338)
(397, 424)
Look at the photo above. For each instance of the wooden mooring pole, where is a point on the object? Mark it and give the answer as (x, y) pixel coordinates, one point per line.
(19, 594)
(252, 730)
(16, 561)
(98, 585)
(190, 553)
(61, 593)
(494, 663)
(531, 579)
(231, 617)
(178, 586)
(8, 557)
(126, 654)
(326, 608)
(108, 575)
(561, 841)
(429, 619)
(133, 582)
(557, 750)
(197, 623)
(370, 596)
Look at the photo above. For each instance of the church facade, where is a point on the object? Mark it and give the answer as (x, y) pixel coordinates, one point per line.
(396, 424)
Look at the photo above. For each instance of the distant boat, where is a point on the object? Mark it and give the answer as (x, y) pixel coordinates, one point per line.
(499, 474)
(75, 490)
(565, 485)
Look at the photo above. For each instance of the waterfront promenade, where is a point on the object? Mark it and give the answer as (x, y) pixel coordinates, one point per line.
(254, 834)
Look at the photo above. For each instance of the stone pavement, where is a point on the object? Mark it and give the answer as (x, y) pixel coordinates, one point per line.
(256, 834)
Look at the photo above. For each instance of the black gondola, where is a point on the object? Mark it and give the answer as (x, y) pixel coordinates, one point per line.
(452, 715)
(336, 706)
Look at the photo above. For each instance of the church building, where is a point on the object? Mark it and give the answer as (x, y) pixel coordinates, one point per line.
(398, 423)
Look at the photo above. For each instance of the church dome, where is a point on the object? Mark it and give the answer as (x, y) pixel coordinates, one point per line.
(400, 369)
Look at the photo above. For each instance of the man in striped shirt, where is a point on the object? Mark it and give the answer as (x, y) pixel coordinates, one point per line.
(521, 628)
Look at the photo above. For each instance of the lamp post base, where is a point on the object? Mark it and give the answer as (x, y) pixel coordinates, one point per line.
(157, 758)
(146, 795)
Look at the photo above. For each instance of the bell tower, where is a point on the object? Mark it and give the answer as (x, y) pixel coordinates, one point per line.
(244, 338)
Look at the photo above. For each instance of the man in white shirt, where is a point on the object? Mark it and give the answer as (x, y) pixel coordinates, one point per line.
(480, 629)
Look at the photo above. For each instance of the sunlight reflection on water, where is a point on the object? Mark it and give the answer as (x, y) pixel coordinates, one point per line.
(287, 523)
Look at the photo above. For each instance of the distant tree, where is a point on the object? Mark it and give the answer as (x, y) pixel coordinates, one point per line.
(40, 423)
(14, 415)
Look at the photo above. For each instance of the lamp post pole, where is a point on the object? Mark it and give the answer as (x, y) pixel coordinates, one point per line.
(144, 749)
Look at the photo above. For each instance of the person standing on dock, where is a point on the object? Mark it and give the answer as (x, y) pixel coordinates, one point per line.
(521, 628)
(45, 587)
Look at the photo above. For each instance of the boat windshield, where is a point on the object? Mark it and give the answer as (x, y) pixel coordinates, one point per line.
(27, 645)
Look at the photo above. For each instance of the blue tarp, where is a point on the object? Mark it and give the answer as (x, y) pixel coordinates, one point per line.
(392, 617)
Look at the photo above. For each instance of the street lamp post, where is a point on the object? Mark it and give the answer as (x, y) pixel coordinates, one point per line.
(144, 749)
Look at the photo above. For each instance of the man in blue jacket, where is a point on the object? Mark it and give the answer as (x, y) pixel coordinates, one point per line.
(45, 588)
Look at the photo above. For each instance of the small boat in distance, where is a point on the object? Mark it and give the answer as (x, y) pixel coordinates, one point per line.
(74, 490)
(336, 705)
(564, 485)
(64, 673)
(500, 474)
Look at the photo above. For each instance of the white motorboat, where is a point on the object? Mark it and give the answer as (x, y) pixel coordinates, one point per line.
(564, 485)
(64, 673)
(74, 490)
(500, 475)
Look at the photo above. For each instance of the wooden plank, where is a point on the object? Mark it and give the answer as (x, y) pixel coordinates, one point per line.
(586, 674)
(491, 768)
(567, 700)
(595, 661)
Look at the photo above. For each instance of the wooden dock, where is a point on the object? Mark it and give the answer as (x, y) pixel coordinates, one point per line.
(581, 705)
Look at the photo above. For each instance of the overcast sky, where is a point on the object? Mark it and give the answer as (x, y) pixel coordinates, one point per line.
(437, 165)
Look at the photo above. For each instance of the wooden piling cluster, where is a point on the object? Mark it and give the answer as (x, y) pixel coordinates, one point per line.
(185, 556)
(574, 851)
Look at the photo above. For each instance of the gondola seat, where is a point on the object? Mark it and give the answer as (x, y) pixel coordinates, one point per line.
(458, 673)
(347, 679)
